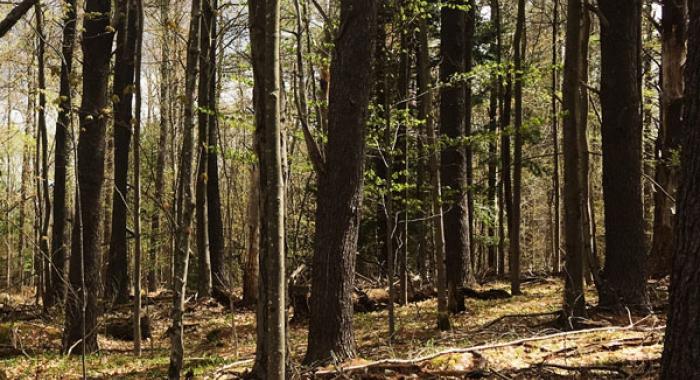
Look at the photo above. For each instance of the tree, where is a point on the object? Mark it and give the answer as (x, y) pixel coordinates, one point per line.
(681, 344)
(470, 29)
(453, 168)
(519, 43)
(673, 37)
(620, 97)
(273, 202)
(15, 14)
(184, 206)
(117, 281)
(80, 331)
(425, 82)
(63, 122)
(137, 6)
(340, 186)
(574, 296)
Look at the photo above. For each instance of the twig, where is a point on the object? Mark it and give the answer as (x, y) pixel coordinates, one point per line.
(585, 368)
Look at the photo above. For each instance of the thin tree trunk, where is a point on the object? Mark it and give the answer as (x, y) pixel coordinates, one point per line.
(220, 280)
(138, 14)
(519, 48)
(15, 14)
(425, 83)
(252, 267)
(117, 275)
(556, 185)
(204, 280)
(164, 102)
(184, 204)
(470, 255)
(63, 123)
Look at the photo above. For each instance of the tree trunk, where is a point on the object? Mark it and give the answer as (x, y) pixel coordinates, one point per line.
(252, 267)
(204, 278)
(117, 275)
(574, 297)
(273, 201)
(470, 29)
(673, 36)
(682, 341)
(80, 333)
(425, 83)
(15, 14)
(340, 186)
(159, 186)
(494, 98)
(220, 280)
(63, 123)
(184, 204)
(453, 170)
(624, 273)
(514, 230)
(137, 13)
(556, 185)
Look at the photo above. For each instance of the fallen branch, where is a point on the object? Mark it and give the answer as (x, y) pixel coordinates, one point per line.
(223, 370)
(508, 316)
(484, 347)
(586, 368)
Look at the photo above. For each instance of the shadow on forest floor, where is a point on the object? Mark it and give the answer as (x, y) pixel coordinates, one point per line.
(499, 339)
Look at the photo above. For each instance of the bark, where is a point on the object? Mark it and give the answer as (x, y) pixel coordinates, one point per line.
(514, 230)
(340, 186)
(204, 278)
(273, 201)
(117, 275)
(556, 185)
(673, 37)
(43, 152)
(220, 280)
(574, 297)
(184, 203)
(470, 29)
(453, 170)
(491, 193)
(137, 9)
(15, 14)
(80, 332)
(63, 123)
(425, 83)
(252, 267)
(624, 273)
(159, 186)
(682, 343)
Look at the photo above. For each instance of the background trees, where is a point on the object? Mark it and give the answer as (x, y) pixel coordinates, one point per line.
(457, 116)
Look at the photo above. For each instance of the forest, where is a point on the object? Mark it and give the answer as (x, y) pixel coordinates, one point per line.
(349, 189)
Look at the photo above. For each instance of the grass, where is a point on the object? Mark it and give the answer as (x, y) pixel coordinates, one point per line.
(212, 341)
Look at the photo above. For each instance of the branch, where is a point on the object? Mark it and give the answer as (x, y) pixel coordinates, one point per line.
(15, 14)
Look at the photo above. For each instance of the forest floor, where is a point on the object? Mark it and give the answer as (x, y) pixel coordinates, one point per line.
(499, 339)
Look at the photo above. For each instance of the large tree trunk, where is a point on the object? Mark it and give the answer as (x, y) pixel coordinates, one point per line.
(682, 341)
(117, 275)
(184, 203)
(574, 298)
(425, 83)
(673, 52)
(63, 123)
(624, 273)
(340, 186)
(453, 170)
(80, 333)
